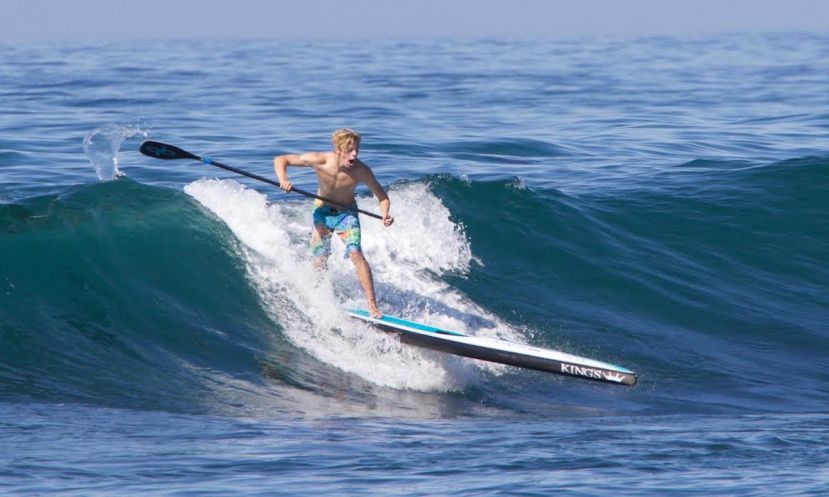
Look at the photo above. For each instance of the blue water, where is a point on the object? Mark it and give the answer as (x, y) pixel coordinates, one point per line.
(657, 203)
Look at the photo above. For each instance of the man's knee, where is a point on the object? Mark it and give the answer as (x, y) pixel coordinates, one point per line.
(357, 257)
(321, 243)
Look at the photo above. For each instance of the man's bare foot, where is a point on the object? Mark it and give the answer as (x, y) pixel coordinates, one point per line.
(375, 312)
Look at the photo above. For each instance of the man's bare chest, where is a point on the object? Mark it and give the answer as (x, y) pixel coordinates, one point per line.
(336, 179)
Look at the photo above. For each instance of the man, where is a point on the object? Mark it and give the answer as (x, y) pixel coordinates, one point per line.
(339, 172)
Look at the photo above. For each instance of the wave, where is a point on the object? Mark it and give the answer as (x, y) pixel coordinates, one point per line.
(711, 275)
(124, 294)
(709, 281)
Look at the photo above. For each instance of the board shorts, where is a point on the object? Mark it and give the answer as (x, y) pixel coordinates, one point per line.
(328, 220)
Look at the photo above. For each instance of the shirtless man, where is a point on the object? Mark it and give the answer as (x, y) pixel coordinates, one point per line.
(339, 172)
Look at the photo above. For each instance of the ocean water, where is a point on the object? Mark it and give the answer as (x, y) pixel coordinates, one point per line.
(658, 203)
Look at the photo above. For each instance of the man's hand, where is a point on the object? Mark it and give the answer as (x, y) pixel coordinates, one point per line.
(286, 185)
(387, 220)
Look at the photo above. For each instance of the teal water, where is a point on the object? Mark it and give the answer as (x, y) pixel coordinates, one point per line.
(659, 203)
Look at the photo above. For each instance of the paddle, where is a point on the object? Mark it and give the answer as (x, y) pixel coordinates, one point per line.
(169, 152)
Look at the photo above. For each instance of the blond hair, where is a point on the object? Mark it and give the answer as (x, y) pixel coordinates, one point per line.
(344, 139)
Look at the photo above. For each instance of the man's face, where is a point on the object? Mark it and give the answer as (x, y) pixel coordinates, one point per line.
(347, 156)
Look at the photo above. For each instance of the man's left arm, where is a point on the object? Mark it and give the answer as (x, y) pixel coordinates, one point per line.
(382, 197)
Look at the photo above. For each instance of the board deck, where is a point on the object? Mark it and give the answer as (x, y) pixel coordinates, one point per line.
(500, 351)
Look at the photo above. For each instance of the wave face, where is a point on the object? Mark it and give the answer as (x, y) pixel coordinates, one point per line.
(121, 294)
(708, 280)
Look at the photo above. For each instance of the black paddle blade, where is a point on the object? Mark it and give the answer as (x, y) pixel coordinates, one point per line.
(160, 150)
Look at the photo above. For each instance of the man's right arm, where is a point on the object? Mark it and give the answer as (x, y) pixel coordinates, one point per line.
(281, 163)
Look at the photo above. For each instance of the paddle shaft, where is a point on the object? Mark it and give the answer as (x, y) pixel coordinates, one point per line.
(164, 151)
(207, 160)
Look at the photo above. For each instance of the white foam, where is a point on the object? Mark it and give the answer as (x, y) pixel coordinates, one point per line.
(407, 260)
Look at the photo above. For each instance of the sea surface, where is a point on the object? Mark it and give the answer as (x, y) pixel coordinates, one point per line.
(658, 203)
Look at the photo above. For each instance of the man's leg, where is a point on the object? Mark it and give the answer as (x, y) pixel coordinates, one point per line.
(321, 247)
(366, 280)
(321, 263)
(351, 235)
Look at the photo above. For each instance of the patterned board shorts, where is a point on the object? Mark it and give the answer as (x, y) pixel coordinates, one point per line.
(328, 220)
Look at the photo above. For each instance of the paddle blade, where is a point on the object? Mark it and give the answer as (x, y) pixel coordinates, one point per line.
(164, 151)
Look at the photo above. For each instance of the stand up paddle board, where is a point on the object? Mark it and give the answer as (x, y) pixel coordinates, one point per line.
(497, 350)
